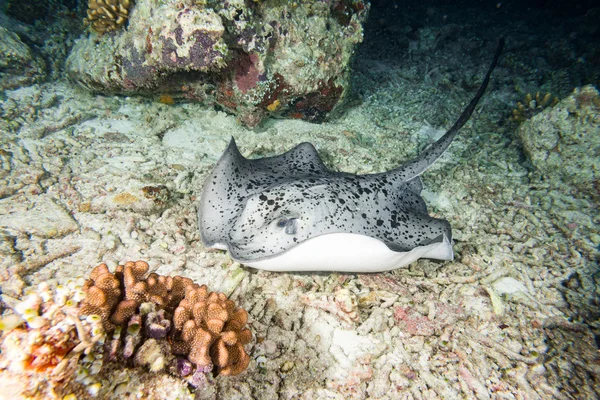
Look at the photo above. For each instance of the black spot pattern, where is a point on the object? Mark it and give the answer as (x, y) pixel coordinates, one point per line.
(261, 208)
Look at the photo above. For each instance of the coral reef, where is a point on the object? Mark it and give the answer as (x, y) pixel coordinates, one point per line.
(71, 336)
(562, 141)
(531, 106)
(107, 15)
(254, 59)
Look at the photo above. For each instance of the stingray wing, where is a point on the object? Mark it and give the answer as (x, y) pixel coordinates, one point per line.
(235, 178)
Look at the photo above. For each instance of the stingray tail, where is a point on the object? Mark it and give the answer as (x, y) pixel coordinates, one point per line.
(420, 164)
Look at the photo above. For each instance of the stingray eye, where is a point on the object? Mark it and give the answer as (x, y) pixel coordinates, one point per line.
(290, 225)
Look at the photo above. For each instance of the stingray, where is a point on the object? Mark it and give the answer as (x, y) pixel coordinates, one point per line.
(291, 213)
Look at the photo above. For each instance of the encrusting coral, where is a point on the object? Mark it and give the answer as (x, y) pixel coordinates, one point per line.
(43, 338)
(107, 15)
(64, 338)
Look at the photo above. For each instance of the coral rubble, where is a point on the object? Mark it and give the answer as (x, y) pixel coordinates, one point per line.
(254, 59)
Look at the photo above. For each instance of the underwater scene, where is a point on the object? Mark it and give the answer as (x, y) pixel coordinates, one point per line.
(320, 199)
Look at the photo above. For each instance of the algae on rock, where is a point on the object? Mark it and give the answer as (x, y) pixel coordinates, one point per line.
(18, 65)
(564, 141)
(254, 59)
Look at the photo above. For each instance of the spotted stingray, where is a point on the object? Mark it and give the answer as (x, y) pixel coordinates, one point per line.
(291, 213)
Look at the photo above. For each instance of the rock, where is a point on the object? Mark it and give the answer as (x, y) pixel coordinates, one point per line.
(145, 200)
(254, 59)
(18, 65)
(509, 285)
(563, 141)
(41, 217)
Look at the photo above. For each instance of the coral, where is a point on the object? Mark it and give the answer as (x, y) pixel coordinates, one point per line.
(247, 73)
(208, 327)
(157, 325)
(64, 341)
(315, 106)
(107, 15)
(274, 105)
(184, 367)
(211, 329)
(531, 106)
(152, 355)
(44, 337)
(199, 377)
(102, 294)
(166, 99)
(116, 297)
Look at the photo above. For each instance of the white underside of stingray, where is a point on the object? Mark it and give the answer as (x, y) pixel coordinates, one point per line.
(348, 252)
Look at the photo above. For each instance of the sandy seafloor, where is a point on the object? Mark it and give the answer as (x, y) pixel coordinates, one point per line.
(512, 317)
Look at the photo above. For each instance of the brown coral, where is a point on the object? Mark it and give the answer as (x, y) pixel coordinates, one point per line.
(102, 295)
(211, 330)
(107, 15)
(208, 327)
(116, 297)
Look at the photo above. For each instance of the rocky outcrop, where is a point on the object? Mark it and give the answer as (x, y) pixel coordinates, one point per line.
(254, 59)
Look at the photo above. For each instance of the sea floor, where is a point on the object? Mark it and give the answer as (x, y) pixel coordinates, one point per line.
(90, 179)
(94, 179)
